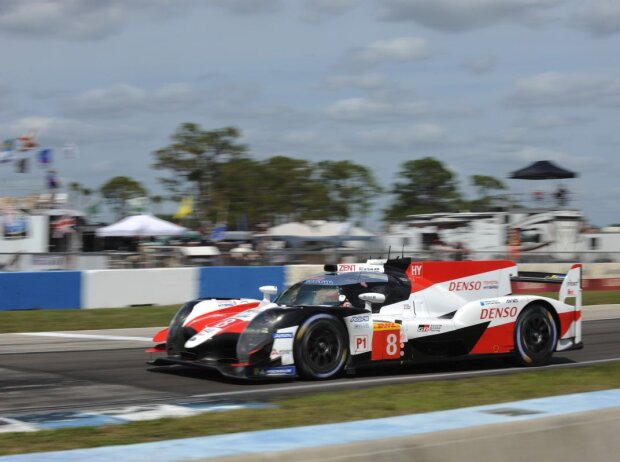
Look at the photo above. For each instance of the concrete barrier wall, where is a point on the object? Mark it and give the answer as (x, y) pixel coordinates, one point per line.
(40, 290)
(239, 281)
(117, 288)
(163, 286)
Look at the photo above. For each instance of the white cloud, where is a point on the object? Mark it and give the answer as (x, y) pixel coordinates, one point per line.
(462, 15)
(400, 49)
(94, 20)
(558, 89)
(363, 109)
(599, 17)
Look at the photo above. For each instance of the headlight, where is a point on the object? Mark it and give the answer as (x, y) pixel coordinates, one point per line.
(257, 334)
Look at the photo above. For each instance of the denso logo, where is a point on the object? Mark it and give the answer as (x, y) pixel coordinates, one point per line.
(493, 313)
(464, 285)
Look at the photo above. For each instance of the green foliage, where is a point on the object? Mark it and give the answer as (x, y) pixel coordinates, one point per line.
(351, 187)
(193, 159)
(327, 407)
(426, 186)
(486, 200)
(118, 190)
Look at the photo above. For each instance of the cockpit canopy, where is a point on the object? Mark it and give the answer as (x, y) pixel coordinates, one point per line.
(344, 289)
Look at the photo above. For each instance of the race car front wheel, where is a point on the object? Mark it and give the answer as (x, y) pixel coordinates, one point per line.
(536, 336)
(320, 347)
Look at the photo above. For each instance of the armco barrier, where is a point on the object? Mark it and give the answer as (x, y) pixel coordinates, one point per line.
(40, 290)
(239, 281)
(157, 286)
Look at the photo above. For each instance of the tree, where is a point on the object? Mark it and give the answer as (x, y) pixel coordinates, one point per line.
(485, 185)
(289, 191)
(426, 186)
(118, 190)
(350, 187)
(240, 192)
(194, 158)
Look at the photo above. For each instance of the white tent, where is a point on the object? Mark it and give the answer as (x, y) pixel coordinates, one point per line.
(141, 225)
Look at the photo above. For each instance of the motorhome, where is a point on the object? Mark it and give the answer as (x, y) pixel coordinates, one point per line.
(523, 234)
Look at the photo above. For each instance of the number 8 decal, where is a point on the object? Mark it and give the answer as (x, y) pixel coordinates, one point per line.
(392, 345)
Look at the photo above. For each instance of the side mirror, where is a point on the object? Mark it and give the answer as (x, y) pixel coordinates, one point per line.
(370, 298)
(267, 291)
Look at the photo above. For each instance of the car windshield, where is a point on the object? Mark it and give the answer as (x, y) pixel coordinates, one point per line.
(333, 289)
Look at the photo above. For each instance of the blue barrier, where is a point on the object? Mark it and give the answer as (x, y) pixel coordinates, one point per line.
(238, 281)
(40, 290)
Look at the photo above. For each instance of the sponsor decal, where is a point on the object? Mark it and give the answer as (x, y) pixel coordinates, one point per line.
(464, 286)
(488, 302)
(361, 343)
(429, 328)
(278, 371)
(320, 282)
(225, 323)
(361, 318)
(494, 313)
(510, 301)
(282, 335)
(572, 283)
(416, 270)
(490, 284)
(247, 315)
(379, 326)
(275, 353)
(207, 331)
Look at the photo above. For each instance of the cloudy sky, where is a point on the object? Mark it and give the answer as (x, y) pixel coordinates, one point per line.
(485, 86)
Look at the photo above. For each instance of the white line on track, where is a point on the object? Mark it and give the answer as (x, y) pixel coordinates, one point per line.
(87, 336)
(407, 378)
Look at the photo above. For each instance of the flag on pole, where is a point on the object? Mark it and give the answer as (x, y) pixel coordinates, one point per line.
(45, 157)
(185, 208)
(29, 141)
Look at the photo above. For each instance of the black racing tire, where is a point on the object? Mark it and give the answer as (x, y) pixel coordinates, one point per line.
(321, 347)
(535, 336)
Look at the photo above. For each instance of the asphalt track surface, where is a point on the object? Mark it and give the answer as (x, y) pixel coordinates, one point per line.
(66, 373)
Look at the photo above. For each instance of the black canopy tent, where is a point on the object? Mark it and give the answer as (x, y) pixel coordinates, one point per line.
(542, 170)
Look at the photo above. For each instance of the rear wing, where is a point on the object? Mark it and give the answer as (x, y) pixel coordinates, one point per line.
(570, 282)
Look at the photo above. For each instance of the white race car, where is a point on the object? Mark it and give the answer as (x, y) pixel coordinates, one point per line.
(394, 311)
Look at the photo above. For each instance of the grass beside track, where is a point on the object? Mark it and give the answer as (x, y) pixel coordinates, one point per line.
(331, 407)
(105, 318)
(154, 316)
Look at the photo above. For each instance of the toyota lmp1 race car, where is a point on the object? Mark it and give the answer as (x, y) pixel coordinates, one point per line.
(396, 311)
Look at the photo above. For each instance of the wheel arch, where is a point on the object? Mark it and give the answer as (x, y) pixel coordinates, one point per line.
(547, 304)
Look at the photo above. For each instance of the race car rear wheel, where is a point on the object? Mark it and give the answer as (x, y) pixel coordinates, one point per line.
(320, 347)
(536, 336)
